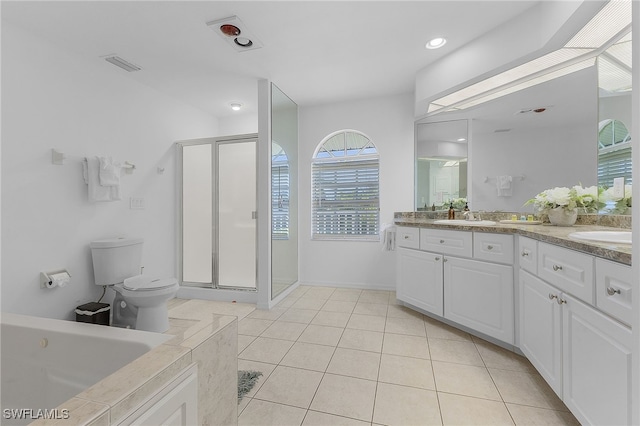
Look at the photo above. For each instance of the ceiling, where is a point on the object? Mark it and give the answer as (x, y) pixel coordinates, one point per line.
(316, 52)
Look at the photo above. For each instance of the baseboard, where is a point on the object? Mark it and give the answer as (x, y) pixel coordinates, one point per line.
(220, 295)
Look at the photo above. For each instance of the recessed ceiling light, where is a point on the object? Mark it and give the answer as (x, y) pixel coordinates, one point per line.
(461, 139)
(436, 43)
(236, 106)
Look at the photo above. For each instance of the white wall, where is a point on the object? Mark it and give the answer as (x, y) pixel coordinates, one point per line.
(388, 121)
(53, 98)
(241, 124)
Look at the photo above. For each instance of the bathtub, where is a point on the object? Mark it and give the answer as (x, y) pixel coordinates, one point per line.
(45, 361)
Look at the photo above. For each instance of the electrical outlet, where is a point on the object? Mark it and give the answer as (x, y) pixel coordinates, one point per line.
(136, 203)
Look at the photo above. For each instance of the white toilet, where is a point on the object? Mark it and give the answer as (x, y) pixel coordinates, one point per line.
(141, 301)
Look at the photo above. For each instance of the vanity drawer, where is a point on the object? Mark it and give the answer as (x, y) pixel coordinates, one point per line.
(408, 237)
(493, 247)
(613, 289)
(528, 254)
(568, 270)
(459, 243)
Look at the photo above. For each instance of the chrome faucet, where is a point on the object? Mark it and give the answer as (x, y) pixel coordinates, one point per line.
(470, 216)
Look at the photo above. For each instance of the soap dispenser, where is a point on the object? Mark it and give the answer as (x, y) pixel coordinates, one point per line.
(452, 212)
(466, 207)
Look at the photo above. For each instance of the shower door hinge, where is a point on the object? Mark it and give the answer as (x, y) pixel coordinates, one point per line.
(254, 214)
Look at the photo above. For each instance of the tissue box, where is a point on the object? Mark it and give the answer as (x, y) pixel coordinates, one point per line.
(94, 313)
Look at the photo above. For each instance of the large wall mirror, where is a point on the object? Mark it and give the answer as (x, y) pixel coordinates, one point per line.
(567, 131)
(284, 191)
(441, 164)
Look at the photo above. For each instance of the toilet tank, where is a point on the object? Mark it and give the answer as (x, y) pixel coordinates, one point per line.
(115, 259)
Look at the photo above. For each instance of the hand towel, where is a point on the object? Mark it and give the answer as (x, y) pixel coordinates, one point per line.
(503, 186)
(98, 192)
(388, 237)
(109, 172)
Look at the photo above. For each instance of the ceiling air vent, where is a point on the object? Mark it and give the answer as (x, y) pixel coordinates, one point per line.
(119, 62)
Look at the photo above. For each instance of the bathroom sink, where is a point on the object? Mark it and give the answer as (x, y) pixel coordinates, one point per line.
(621, 237)
(464, 222)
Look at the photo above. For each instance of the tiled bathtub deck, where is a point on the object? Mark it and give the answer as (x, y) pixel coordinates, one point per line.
(353, 357)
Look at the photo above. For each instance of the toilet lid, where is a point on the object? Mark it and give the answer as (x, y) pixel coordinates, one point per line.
(146, 283)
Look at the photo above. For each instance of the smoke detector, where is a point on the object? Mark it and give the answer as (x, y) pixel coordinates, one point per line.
(235, 33)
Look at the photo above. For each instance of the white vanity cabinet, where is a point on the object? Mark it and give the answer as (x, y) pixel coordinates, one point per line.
(444, 278)
(583, 353)
(419, 279)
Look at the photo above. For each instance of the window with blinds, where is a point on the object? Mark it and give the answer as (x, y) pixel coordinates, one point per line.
(614, 152)
(345, 188)
(279, 194)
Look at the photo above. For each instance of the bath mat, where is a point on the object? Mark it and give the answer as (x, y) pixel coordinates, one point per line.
(246, 381)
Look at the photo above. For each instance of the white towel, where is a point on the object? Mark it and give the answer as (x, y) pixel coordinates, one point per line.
(97, 192)
(109, 172)
(503, 186)
(388, 237)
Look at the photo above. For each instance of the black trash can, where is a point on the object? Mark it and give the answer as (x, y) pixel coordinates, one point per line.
(94, 313)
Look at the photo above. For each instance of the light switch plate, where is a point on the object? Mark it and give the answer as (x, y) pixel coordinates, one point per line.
(618, 188)
(136, 203)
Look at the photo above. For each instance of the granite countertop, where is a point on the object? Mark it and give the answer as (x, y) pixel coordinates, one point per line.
(545, 232)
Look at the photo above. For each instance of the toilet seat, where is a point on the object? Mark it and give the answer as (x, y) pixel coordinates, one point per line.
(140, 283)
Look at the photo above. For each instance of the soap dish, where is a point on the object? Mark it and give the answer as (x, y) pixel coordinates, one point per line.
(522, 222)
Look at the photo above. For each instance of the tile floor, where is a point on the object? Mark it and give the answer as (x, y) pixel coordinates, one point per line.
(334, 356)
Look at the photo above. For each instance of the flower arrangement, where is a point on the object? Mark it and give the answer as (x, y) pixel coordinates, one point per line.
(568, 199)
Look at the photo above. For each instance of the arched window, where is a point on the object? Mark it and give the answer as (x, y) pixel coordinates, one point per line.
(279, 193)
(345, 188)
(614, 152)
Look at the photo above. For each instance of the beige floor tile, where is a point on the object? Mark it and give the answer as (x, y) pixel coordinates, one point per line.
(355, 363)
(287, 302)
(284, 330)
(309, 303)
(404, 345)
(466, 380)
(496, 357)
(346, 295)
(253, 327)
(243, 404)
(321, 335)
(366, 322)
(362, 340)
(455, 351)
(303, 316)
(345, 396)
(299, 292)
(440, 330)
(410, 326)
(463, 410)
(267, 314)
(525, 389)
(261, 413)
(374, 296)
(531, 416)
(319, 292)
(378, 309)
(290, 386)
(406, 371)
(266, 350)
(309, 356)
(332, 319)
(398, 311)
(405, 406)
(315, 418)
(244, 341)
(339, 306)
(264, 368)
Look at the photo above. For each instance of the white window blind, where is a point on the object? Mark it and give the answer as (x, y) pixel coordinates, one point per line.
(346, 199)
(279, 201)
(613, 165)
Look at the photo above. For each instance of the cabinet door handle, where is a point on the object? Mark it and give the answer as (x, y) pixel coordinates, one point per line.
(611, 291)
(552, 296)
(406, 237)
(441, 241)
(557, 267)
(489, 247)
(444, 259)
(560, 301)
(525, 253)
(436, 259)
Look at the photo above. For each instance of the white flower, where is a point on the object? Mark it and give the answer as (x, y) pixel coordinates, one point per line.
(559, 195)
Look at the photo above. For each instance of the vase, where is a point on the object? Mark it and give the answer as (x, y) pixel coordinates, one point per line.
(562, 217)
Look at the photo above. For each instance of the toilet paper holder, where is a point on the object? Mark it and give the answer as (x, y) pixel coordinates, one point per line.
(57, 278)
